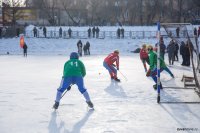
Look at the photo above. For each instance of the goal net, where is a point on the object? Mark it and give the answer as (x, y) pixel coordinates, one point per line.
(184, 32)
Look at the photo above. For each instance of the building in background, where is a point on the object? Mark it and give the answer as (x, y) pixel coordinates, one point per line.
(19, 16)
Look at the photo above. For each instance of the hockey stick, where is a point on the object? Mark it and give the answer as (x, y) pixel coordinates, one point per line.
(123, 75)
(55, 106)
(66, 90)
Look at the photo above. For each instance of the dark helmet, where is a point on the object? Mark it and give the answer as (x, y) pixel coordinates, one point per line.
(74, 55)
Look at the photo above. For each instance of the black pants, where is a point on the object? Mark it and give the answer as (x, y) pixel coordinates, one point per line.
(25, 53)
(199, 61)
(35, 34)
(187, 60)
(176, 56)
(88, 51)
(183, 57)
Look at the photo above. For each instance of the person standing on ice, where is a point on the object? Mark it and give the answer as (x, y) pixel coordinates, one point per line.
(177, 32)
(79, 46)
(35, 32)
(122, 32)
(110, 66)
(93, 31)
(171, 48)
(162, 47)
(176, 51)
(25, 47)
(70, 32)
(118, 33)
(88, 47)
(45, 31)
(153, 66)
(73, 73)
(60, 32)
(89, 32)
(85, 49)
(144, 57)
(182, 52)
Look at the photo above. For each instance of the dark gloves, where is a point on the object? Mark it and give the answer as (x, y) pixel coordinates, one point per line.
(148, 73)
(115, 66)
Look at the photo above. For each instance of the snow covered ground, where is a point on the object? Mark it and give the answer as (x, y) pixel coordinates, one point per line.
(42, 46)
(28, 88)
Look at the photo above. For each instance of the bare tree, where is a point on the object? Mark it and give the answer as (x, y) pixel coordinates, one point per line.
(76, 10)
(35, 3)
(50, 9)
(94, 10)
(133, 7)
(11, 9)
(101, 12)
(180, 9)
(124, 12)
(197, 2)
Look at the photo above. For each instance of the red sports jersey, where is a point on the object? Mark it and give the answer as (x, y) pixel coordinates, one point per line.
(143, 53)
(111, 58)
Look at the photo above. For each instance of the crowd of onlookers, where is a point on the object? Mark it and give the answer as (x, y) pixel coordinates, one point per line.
(172, 50)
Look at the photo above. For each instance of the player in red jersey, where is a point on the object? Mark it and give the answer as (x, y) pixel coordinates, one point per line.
(111, 63)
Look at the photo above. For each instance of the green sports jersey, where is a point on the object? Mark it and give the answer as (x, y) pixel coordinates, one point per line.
(153, 60)
(74, 67)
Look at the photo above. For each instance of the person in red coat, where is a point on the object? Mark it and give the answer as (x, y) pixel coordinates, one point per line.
(111, 63)
(144, 56)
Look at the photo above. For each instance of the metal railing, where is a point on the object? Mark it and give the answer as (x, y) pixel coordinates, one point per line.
(102, 34)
